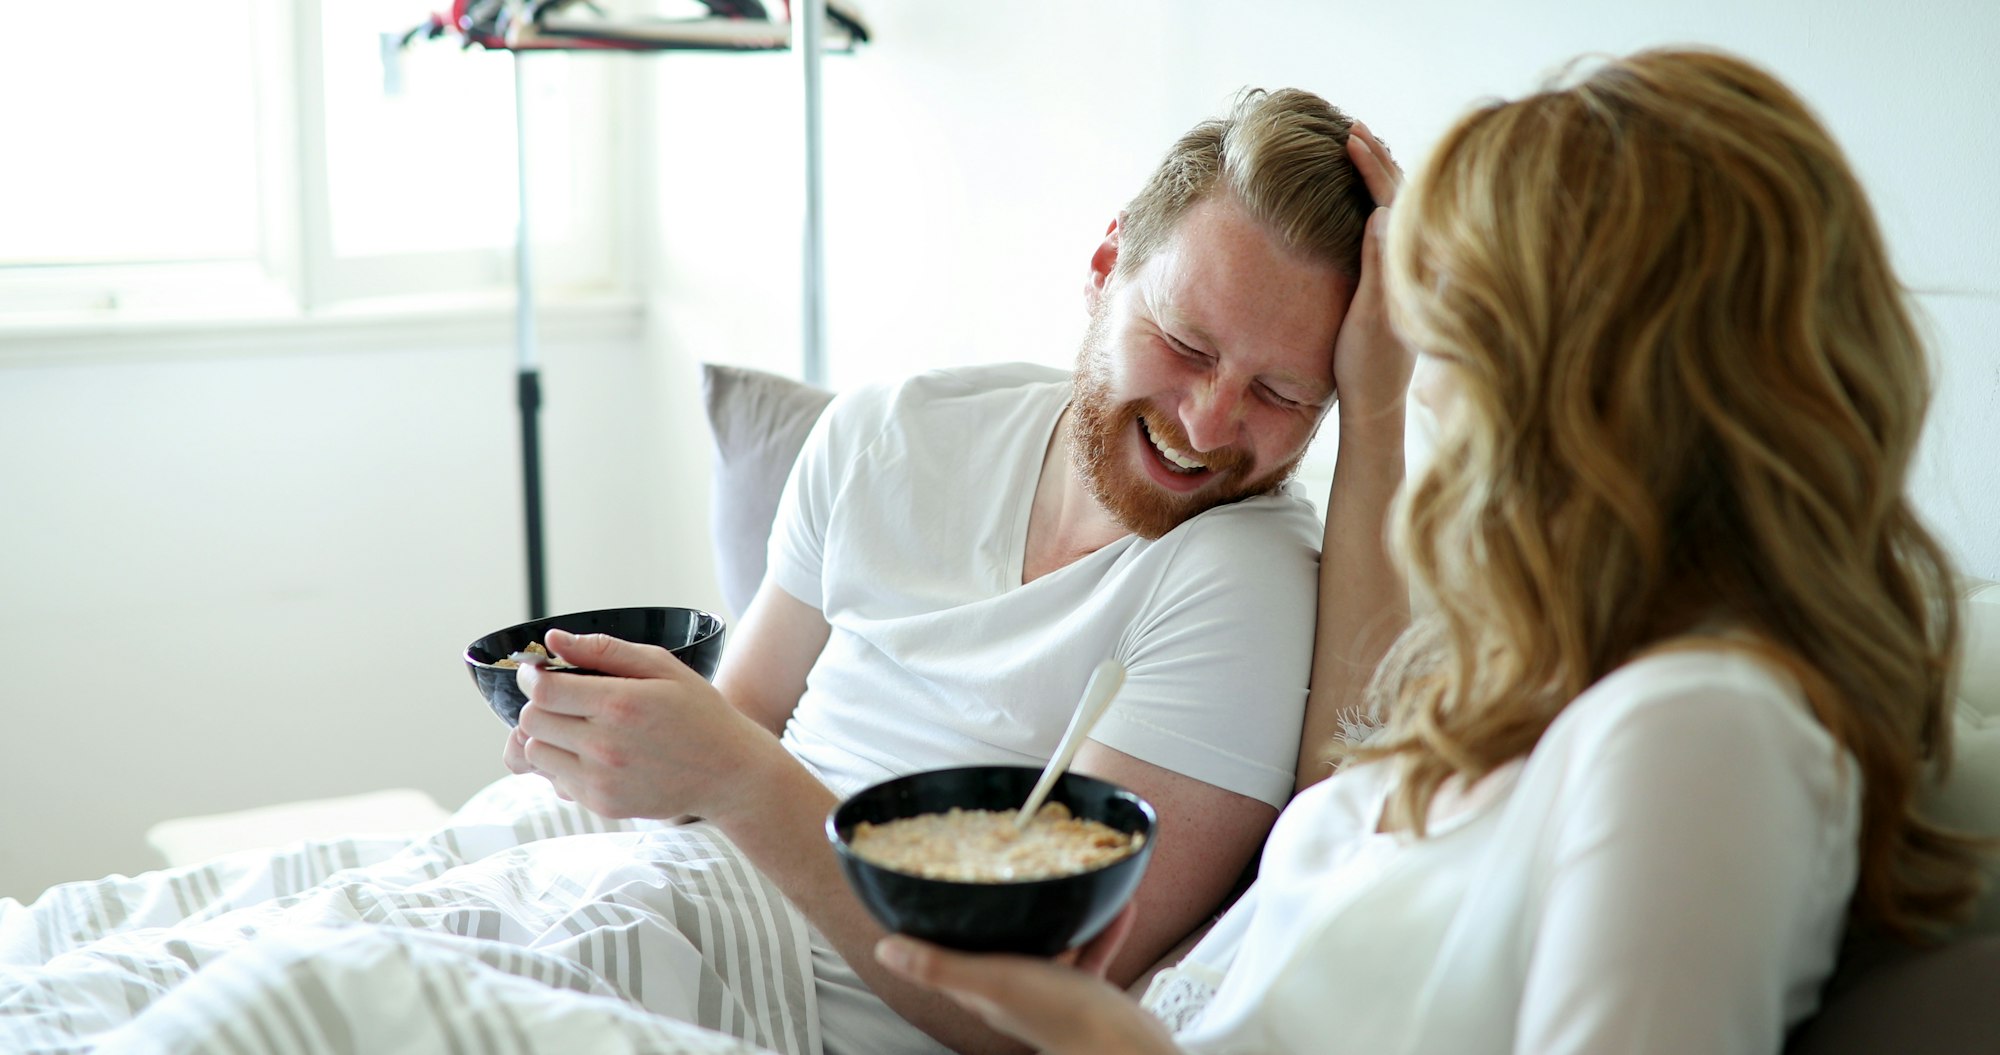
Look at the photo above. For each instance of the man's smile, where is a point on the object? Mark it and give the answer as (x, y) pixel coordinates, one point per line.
(1169, 467)
(1179, 461)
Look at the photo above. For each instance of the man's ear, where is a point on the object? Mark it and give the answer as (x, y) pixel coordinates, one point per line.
(1102, 262)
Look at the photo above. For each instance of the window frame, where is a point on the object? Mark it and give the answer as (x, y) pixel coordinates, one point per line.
(295, 275)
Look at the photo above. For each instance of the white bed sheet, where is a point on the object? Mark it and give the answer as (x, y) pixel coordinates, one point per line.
(523, 924)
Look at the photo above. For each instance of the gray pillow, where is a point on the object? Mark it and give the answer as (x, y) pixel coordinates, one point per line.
(758, 422)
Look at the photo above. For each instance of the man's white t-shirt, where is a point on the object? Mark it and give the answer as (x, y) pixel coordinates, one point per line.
(905, 521)
(1668, 871)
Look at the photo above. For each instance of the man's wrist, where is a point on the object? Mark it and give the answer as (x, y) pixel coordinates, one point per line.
(763, 778)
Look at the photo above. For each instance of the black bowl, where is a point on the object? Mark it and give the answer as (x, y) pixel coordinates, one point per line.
(1039, 917)
(695, 637)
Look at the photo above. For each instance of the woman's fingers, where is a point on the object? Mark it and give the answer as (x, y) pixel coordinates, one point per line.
(1032, 1000)
(1371, 256)
(1053, 1008)
(1379, 171)
(973, 981)
(1095, 955)
(1371, 366)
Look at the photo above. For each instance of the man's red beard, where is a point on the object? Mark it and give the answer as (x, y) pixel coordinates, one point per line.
(1100, 431)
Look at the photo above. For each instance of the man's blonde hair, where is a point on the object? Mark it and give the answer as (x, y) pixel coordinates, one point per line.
(1688, 392)
(1281, 154)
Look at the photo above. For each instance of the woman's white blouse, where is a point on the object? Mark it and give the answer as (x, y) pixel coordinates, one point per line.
(1668, 871)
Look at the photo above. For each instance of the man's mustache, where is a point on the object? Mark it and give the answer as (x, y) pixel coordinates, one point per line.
(1167, 430)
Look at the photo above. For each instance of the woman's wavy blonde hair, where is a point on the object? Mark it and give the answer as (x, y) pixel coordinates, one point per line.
(1687, 387)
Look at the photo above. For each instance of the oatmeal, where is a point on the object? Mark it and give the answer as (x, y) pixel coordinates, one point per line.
(534, 656)
(982, 846)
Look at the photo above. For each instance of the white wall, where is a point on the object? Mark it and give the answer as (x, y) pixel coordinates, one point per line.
(974, 154)
(234, 577)
(241, 578)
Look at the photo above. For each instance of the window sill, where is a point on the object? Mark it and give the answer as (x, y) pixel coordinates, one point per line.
(99, 337)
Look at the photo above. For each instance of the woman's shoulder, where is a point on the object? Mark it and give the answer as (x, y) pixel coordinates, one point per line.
(1702, 730)
(1695, 688)
(1694, 667)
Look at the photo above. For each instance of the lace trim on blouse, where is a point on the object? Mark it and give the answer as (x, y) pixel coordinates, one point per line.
(1179, 995)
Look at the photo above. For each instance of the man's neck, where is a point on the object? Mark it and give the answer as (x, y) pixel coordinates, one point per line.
(1065, 524)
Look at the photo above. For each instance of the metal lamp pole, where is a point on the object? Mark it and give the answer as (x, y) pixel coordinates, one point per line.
(528, 371)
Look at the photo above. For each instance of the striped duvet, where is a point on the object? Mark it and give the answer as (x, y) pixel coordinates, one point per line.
(525, 924)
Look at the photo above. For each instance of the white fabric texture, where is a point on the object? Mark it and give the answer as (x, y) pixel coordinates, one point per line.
(905, 522)
(852, 1019)
(526, 923)
(1668, 871)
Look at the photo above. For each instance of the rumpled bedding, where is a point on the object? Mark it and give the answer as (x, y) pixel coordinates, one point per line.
(524, 924)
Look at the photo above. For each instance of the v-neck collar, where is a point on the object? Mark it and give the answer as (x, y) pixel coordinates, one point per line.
(1029, 481)
(1454, 806)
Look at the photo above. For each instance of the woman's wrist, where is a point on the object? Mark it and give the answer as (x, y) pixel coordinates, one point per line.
(1146, 1037)
(1375, 429)
(1130, 1030)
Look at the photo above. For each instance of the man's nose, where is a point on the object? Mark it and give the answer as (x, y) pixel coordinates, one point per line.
(1213, 414)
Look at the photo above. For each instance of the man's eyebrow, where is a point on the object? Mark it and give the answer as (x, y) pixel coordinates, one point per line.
(1312, 392)
(1305, 388)
(1179, 328)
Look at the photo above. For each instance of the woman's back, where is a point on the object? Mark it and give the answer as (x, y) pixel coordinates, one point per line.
(1569, 891)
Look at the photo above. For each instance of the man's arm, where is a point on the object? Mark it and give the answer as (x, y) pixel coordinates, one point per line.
(773, 647)
(1206, 837)
(782, 829)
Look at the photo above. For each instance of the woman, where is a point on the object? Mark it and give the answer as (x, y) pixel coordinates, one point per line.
(1653, 742)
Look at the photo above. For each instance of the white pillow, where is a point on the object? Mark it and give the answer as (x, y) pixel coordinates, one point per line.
(1969, 799)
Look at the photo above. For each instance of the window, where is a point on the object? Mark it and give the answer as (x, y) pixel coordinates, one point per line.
(224, 158)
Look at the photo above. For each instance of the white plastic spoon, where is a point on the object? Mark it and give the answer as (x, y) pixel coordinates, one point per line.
(1104, 684)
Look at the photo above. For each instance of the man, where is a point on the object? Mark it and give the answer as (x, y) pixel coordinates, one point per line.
(953, 556)
(955, 553)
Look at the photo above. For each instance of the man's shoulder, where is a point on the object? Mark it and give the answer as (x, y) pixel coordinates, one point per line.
(959, 382)
(1262, 551)
(949, 387)
(1280, 520)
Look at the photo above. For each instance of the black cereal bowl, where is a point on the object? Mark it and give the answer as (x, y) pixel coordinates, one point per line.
(1039, 917)
(694, 636)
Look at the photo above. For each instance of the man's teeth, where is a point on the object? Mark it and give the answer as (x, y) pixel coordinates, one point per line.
(1184, 462)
